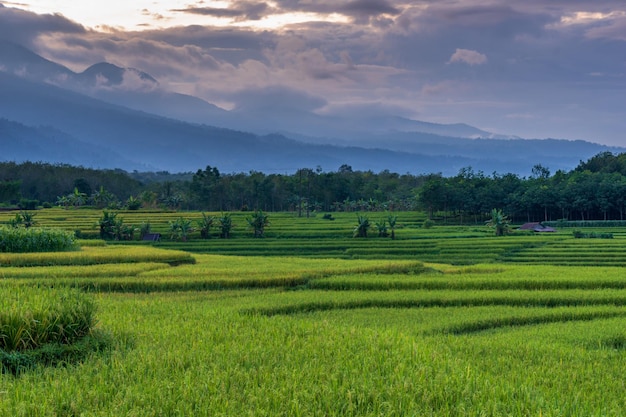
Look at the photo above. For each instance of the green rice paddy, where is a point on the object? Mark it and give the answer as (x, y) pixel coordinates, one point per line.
(448, 321)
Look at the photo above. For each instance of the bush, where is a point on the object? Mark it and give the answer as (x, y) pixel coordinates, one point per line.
(592, 235)
(428, 223)
(20, 240)
(26, 204)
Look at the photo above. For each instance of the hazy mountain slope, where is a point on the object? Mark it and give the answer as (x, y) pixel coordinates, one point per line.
(35, 92)
(21, 143)
(167, 144)
(16, 59)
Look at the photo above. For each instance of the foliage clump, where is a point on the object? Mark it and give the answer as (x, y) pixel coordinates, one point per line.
(21, 240)
(180, 229)
(114, 228)
(592, 235)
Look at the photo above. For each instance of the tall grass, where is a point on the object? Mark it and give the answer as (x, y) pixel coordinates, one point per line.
(32, 317)
(46, 327)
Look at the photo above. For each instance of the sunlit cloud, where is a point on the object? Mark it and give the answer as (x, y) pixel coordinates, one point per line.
(468, 56)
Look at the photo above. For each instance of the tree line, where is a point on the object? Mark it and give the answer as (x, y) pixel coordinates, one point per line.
(594, 190)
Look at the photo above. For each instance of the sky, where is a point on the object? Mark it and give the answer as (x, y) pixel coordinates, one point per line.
(530, 68)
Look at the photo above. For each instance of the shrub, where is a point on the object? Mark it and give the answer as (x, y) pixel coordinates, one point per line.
(592, 235)
(20, 240)
(26, 204)
(133, 203)
(428, 223)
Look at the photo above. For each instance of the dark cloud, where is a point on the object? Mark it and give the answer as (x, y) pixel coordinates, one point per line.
(24, 27)
(513, 66)
(241, 11)
(277, 99)
(361, 11)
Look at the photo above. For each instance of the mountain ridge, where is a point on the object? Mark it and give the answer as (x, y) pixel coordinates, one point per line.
(146, 139)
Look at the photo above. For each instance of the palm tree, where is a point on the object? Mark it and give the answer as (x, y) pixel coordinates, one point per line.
(363, 224)
(107, 225)
(258, 222)
(499, 222)
(102, 198)
(28, 219)
(391, 219)
(226, 225)
(204, 225)
(77, 198)
(381, 225)
(180, 229)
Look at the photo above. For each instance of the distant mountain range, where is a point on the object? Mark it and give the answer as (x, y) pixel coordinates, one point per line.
(113, 117)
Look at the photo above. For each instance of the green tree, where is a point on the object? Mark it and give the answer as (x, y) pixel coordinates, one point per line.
(381, 226)
(226, 225)
(10, 191)
(123, 231)
(499, 222)
(258, 221)
(133, 203)
(392, 220)
(101, 198)
(107, 223)
(180, 229)
(205, 224)
(363, 225)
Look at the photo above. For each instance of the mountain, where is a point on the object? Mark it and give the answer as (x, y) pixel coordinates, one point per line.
(24, 143)
(16, 59)
(93, 119)
(135, 89)
(111, 75)
(146, 140)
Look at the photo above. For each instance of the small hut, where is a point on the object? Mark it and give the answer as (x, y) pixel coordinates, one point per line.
(537, 227)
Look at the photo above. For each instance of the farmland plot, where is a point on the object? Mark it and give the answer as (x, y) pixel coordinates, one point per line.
(209, 334)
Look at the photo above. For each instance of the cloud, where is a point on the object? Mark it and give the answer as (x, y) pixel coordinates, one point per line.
(23, 27)
(241, 11)
(437, 59)
(276, 98)
(468, 56)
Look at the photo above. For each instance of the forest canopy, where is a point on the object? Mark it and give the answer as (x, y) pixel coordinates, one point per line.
(594, 190)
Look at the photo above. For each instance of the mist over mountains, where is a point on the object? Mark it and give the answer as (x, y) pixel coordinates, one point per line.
(108, 116)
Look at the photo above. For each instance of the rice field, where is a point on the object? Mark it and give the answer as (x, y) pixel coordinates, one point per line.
(419, 326)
